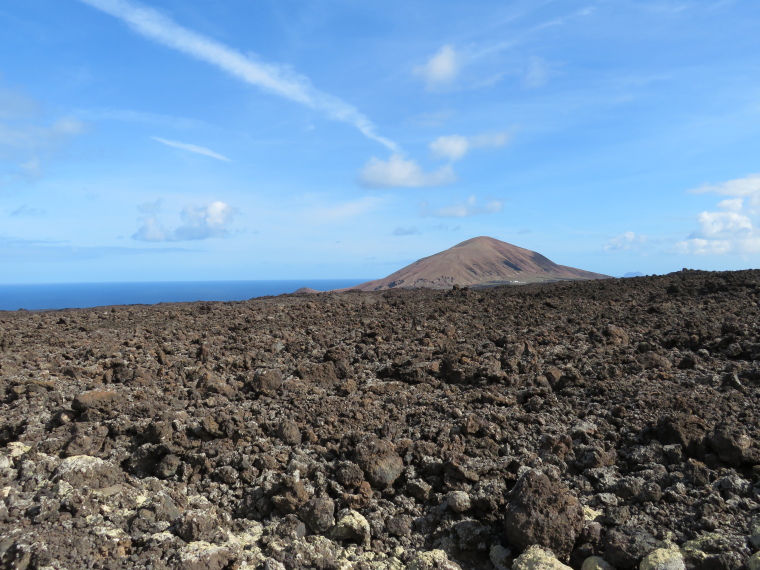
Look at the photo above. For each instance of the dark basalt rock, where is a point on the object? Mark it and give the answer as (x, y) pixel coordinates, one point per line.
(380, 462)
(417, 428)
(543, 512)
(624, 547)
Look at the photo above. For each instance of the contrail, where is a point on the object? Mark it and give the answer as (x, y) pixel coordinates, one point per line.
(272, 77)
(193, 148)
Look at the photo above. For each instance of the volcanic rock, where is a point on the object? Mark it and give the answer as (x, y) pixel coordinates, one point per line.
(424, 425)
(380, 462)
(663, 559)
(478, 261)
(319, 514)
(625, 547)
(536, 558)
(542, 512)
(351, 526)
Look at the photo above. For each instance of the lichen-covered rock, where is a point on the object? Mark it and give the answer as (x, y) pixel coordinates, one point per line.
(432, 560)
(754, 533)
(88, 471)
(501, 557)
(204, 556)
(542, 512)
(351, 526)
(715, 550)
(196, 525)
(663, 559)
(538, 558)
(459, 501)
(596, 563)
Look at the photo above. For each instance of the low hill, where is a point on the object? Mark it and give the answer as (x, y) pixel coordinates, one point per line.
(480, 261)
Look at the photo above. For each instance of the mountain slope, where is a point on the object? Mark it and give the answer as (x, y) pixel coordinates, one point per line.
(478, 261)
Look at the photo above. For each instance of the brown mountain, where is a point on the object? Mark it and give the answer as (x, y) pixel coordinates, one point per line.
(481, 261)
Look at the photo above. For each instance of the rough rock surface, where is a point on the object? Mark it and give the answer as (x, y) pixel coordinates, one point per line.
(536, 558)
(386, 430)
(541, 512)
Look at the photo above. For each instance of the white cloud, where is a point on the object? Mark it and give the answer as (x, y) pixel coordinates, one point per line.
(441, 69)
(27, 140)
(734, 230)
(150, 207)
(699, 246)
(192, 148)
(398, 171)
(198, 222)
(714, 224)
(624, 241)
(152, 230)
(732, 204)
(536, 73)
(493, 140)
(454, 147)
(466, 209)
(451, 147)
(747, 186)
(276, 78)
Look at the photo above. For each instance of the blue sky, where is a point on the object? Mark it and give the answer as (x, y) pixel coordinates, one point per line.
(283, 139)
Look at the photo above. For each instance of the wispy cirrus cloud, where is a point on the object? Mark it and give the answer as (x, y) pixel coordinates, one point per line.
(198, 222)
(192, 148)
(36, 251)
(135, 116)
(275, 78)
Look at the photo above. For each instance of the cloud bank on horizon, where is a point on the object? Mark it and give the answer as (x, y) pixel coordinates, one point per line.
(735, 227)
(221, 128)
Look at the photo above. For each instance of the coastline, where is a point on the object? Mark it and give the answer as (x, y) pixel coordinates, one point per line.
(58, 296)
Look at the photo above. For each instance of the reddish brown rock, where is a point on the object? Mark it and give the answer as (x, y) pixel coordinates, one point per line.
(380, 462)
(543, 512)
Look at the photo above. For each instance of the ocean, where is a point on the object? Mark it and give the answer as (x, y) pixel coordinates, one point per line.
(35, 297)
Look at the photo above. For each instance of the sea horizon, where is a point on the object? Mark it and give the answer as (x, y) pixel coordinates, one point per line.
(58, 296)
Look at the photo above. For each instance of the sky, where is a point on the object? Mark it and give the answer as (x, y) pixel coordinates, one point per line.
(181, 140)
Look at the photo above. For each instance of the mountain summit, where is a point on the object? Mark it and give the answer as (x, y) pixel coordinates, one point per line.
(480, 261)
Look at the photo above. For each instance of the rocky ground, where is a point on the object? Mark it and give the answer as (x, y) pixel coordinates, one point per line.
(595, 423)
